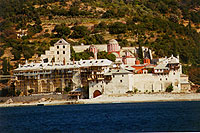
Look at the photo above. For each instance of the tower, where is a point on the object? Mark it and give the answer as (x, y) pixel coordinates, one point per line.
(62, 51)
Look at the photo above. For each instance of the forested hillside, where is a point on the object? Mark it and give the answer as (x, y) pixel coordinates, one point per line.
(166, 26)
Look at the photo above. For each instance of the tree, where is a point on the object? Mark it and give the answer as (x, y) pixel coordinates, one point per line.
(106, 55)
(67, 89)
(117, 28)
(18, 92)
(1, 51)
(61, 30)
(169, 88)
(140, 52)
(194, 75)
(6, 66)
(74, 11)
(94, 39)
(58, 90)
(79, 32)
(30, 91)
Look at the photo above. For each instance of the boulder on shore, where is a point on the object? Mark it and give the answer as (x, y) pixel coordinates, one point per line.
(9, 101)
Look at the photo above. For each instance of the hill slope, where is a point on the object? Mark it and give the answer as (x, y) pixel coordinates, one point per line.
(166, 26)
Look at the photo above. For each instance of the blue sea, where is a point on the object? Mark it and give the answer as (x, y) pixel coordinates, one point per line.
(118, 117)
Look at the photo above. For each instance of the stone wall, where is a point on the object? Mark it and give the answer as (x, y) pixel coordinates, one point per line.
(34, 98)
(119, 84)
(81, 48)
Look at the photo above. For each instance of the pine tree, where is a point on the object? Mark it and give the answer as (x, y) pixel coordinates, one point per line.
(140, 53)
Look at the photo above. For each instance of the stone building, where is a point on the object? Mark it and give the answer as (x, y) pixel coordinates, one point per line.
(100, 76)
(46, 77)
(116, 81)
(126, 54)
(167, 72)
(60, 52)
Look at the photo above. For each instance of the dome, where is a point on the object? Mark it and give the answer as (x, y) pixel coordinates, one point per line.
(113, 41)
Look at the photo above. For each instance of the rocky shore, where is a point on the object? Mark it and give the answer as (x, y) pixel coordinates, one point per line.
(126, 98)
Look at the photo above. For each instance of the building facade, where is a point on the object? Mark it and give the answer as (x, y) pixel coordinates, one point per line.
(100, 76)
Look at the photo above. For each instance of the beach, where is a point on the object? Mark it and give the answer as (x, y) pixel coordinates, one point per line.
(126, 98)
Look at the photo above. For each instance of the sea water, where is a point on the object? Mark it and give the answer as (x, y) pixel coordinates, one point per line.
(118, 117)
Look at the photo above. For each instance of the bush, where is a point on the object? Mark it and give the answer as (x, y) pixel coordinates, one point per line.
(67, 89)
(169, 88)
(117, 28)
(18, 92)
(129, 92)
(58, 89)
(135, 90)
(61, 30)
(30, 91)
(198, 90)
(79, 32)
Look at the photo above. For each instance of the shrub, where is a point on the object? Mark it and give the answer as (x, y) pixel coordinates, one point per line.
(198, 90)
(18, 92)
(79, 32)
(58, 89)
(129, 92)
(30, 91)
(169, 88)
(135, 90)
(117, 28)
(67, 89)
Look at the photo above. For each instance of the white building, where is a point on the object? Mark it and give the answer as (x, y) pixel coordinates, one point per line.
(102, 76)
(116, 81)
(59, 53)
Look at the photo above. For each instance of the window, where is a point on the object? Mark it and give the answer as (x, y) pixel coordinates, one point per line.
(160, 79)
(57, 52)
(63, 46)
(122, 75)
(121, 81)
(63, 52)
(57, 47)
(113, 76)
(166, 78)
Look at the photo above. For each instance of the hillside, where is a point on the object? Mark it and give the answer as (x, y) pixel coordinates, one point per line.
(166, 26)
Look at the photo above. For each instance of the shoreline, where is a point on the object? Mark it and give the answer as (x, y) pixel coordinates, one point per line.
(105, 99)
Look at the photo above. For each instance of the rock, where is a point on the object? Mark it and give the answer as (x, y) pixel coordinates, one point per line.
(42, 100)
(9, 101)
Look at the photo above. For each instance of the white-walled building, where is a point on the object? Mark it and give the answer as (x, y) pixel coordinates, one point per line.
(116, 81)
(59, 53)
(101, 76)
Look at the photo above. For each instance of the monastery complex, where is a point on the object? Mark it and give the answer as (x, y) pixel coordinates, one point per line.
(100, 76)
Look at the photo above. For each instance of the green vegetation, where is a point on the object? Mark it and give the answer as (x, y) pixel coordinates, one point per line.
(79, 32)
(67, 89)
(169, 88)
(30, 91)
(58, 90)
(117, 28)
(106, 55)
(62, 30)
(6, 66)
(18, 92)
(165, 26)
(93, 39)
